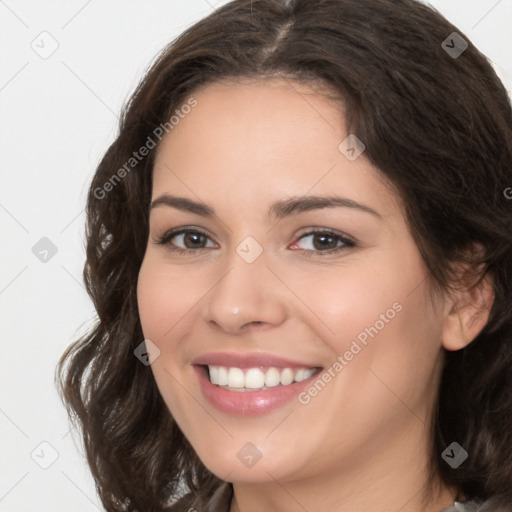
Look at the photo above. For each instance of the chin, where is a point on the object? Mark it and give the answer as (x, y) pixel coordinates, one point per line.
(250, 465)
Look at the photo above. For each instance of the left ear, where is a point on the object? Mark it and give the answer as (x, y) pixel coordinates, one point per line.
(467, 311)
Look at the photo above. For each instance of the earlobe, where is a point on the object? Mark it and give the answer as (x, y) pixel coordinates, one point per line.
(467, 314)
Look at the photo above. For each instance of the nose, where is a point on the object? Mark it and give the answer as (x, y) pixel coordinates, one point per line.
(247, 296)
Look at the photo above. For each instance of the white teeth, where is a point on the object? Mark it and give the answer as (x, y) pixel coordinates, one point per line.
(222, 376)
(309, 373)
(214, 373)
(299, 376)
(236, 378)
(287, 376)
(255, 378)
(272, 377)
(304, 374)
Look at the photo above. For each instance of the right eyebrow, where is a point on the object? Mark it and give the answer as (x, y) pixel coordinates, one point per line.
(183, 204)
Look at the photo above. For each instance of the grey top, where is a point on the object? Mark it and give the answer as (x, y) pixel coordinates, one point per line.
(468, 506)
(491, 505)
(221, 501)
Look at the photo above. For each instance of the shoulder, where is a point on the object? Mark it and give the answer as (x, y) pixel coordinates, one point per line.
(219, 501)
(490, 505)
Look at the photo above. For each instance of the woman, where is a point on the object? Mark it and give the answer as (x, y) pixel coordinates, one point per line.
(299, 251)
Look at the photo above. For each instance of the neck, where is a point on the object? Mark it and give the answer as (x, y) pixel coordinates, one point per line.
(396, 480)
(292, 498)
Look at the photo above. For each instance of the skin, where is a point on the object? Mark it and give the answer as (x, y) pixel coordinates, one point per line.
(362, 443)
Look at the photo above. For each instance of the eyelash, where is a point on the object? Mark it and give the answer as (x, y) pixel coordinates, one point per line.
(347, 242)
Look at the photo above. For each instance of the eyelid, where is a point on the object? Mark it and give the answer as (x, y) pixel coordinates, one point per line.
(328, 231)
(171, 233)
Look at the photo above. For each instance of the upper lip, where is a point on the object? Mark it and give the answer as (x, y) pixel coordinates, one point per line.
(248, 360)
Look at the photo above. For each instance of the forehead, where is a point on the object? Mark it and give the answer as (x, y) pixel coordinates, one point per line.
(263, 139)
(258, 112)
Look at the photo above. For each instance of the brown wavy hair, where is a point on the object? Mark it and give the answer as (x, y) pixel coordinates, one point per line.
(440, 130)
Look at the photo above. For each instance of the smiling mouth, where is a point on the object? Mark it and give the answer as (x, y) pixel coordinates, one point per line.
(257, 378)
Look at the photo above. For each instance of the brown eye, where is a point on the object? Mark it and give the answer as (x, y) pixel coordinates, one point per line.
(186, 239)
(193, 240)
(322, 242)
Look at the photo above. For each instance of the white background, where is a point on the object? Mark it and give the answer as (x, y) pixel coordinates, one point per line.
(58, 116)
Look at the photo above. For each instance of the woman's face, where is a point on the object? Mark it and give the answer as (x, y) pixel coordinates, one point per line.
(295, 256)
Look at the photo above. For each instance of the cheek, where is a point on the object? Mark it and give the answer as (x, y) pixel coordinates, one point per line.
(379, 316)
(346, 300)
(165, 296)
(384, 336)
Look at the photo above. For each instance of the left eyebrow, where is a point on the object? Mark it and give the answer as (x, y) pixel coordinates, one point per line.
(297, 205)
(279, 209)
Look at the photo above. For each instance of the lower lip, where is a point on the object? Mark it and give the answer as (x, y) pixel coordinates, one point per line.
(249, 403)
